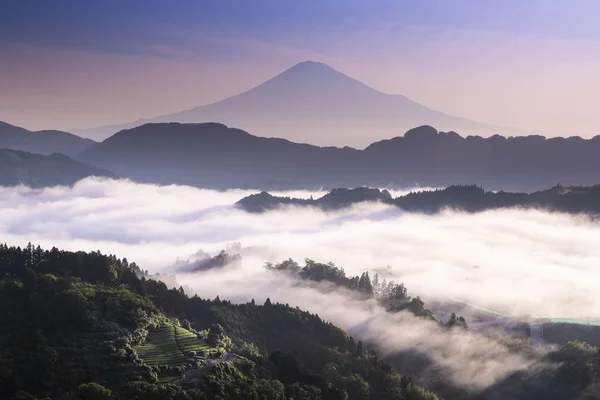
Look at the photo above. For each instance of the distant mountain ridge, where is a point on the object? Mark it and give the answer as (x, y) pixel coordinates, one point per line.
(42, 142)
(212, 155)
(313, 103)
(470, 198)
(35, 170)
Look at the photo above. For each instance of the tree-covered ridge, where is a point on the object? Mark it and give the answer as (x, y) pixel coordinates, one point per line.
(75, 323)
(337, 198)
(574, 367)
(393, 296)
(471, 198)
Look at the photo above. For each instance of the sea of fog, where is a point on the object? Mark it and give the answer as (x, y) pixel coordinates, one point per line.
(523, 262)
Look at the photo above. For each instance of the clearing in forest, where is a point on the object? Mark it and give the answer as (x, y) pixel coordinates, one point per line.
(168, 345)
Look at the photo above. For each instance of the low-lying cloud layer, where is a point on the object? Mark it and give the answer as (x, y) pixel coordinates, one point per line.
(469, 359)
(526, 262)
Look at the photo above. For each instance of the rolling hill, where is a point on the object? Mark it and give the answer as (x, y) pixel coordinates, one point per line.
(41, 142)
(212, 155)
(35, 170)
(313, 103)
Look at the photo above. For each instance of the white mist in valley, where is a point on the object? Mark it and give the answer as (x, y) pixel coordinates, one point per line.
(525, 262)
(522, 262)
(469, 359)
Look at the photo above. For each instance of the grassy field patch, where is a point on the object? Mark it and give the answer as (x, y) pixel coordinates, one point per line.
(169, 345)
(187, 341)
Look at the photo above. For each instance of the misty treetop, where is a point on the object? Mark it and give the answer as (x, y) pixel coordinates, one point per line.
(391, 295)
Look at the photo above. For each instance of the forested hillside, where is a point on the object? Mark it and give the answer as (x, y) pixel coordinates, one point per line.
(90, 326)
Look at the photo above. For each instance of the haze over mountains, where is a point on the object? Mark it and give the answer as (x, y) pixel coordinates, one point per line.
(313, 103)
(41, 142)
(35, 170)
(214, 156)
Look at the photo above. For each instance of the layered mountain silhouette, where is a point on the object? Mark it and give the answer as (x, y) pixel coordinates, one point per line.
(313, 103)
(35, 170)
(41, 142)
(214, 156)
(470, 198)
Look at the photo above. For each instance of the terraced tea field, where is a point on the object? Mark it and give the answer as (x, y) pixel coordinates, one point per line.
(168, 345)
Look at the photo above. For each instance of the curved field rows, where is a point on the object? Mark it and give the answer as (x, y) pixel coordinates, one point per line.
(187, 341)
(168, 344)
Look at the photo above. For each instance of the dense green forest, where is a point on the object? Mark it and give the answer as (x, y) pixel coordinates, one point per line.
(81, 325)
(89, 326)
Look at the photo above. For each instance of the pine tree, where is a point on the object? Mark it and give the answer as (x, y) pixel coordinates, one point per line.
(368, 287)
(376, 285)
(29, 255)
(390, 290)
(359, 348)
(383, 294)
(361, 282)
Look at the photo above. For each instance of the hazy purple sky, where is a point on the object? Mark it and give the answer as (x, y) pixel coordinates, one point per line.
(529, 64)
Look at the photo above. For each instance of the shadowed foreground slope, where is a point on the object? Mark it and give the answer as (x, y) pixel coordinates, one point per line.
(89, 326)
(73, 323)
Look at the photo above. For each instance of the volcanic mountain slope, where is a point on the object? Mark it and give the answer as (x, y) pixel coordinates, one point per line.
(313, 103)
